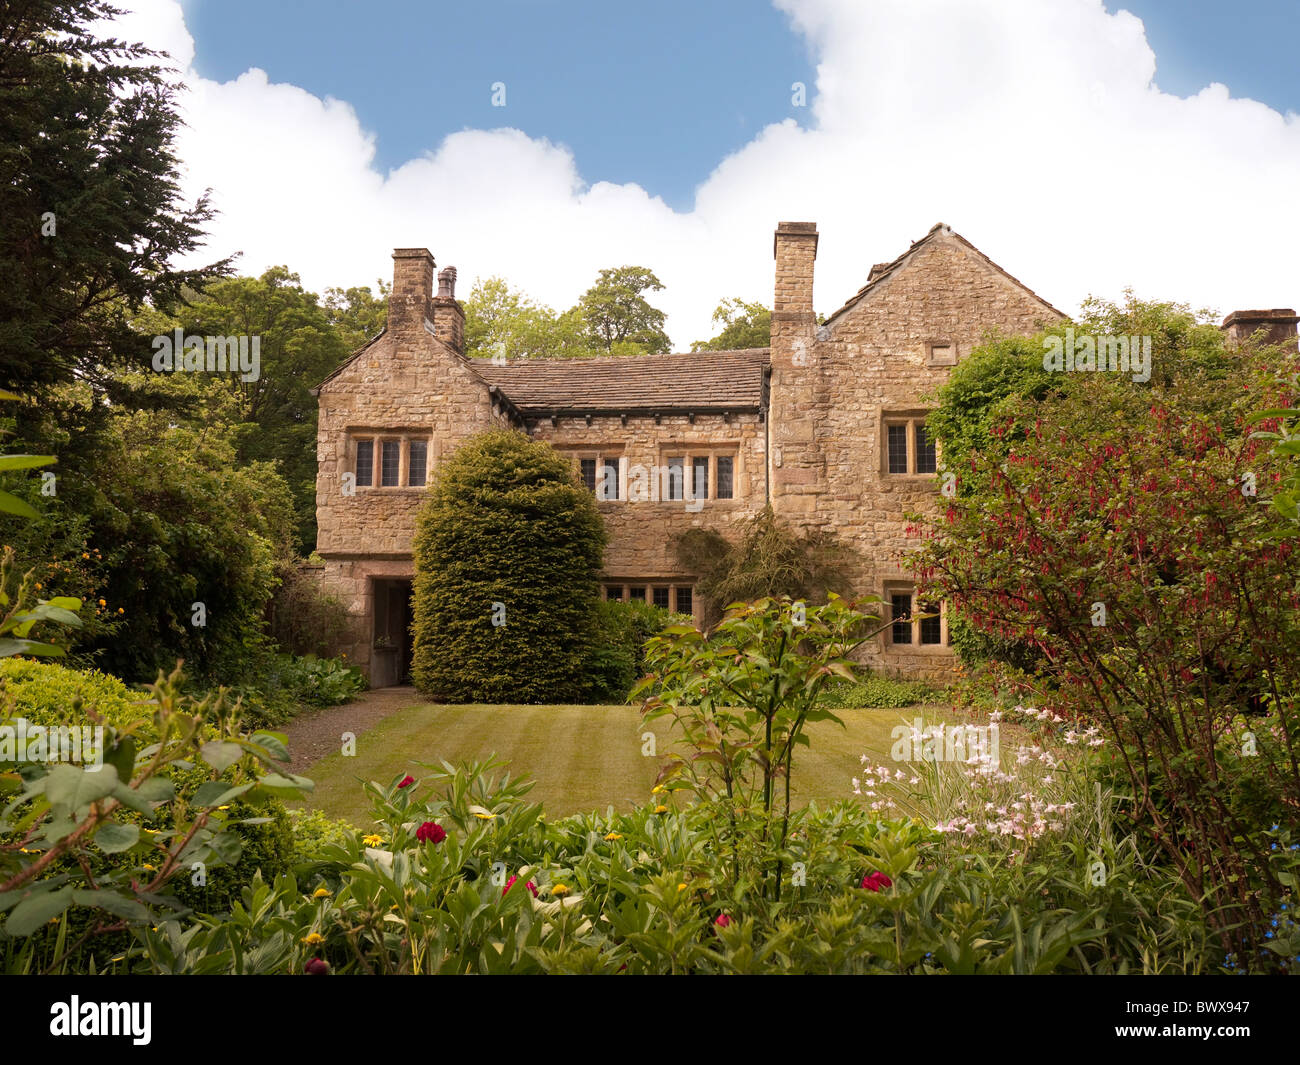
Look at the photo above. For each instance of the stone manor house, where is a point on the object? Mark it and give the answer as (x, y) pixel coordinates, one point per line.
(826, 425)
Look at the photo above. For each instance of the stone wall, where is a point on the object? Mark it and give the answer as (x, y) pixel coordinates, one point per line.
(642, 530)
(833, 386)
(406, 383)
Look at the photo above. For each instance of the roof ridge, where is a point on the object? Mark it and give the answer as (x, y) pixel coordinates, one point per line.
(880, 271)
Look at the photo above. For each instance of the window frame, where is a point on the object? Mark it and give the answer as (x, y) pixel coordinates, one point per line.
(676, 590)
(914, 622)
(377, 438)
(689, 456)
(601, 457)
(910, 421)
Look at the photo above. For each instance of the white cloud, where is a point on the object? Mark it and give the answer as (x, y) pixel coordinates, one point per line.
(1035, 130)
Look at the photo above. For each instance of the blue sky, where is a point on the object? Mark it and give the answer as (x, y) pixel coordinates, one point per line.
(1076, 145)
(653, 94)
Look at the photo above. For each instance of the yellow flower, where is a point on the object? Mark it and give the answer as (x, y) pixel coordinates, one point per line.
(681, 887)
(313, 938)
(223, 807)
(103, 602)
(372, 841)
(613, 836)
(661, 809)
(485, 817)
(560, 890)
(39, 586)
(657, 789)
(149, 868)
(121, 610)
(84, 555)
(321, 893)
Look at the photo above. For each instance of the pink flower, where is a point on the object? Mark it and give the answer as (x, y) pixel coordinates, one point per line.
(875, 881)
(430, 833)
(406, 781)
(317, 967)
(722, 920)
(529, 885)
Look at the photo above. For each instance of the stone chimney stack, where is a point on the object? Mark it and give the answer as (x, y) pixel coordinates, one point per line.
(410, 302)
(449, 315)
(795, 249)
(1279, 326)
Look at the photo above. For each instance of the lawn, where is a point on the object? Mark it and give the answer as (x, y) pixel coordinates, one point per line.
(582, 757)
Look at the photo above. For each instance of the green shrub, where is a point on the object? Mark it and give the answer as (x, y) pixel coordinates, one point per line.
(304, 619)
(618, 654)
(508, 554)
(878, 692)
(43, 693)
(313, 831)
(771, 559)
(645, 891)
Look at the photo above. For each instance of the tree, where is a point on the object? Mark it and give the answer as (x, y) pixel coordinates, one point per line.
(298, 347)
(501, 321)
(166, 519)
(508, 554)
(357, 315)
(616, 312)
(1118, 527)
(770, 560)
(744, 325)
(82, 248)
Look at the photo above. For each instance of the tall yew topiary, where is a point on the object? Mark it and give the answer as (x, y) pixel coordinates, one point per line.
(508, 556)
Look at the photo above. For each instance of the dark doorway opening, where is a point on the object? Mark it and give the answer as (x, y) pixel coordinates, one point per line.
(393, 643)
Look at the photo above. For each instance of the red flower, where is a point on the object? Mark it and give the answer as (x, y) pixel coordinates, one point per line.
(529, 885)
(875, 881)
(317, 967)
(430, 833)
(722, 920)
(406, 781)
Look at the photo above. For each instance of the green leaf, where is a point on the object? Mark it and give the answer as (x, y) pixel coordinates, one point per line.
(156, 789)
(36, 910)
(9, 647)
(121, 756)
(227, 846)
(11, 504)
(69, 789)
(113, 838)
(116, 904)
(132, 799)
(25, 462)
(218, 793)
(274, 742)
(221, 754)
(288, 786)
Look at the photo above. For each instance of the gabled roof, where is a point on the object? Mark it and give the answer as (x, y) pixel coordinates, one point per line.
(349, 361)
(696, 381)
(882, 271)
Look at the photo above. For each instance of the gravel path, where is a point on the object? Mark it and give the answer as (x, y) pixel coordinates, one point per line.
(316, 733)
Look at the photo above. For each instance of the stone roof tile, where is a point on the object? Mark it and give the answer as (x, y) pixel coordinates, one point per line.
(700, 381)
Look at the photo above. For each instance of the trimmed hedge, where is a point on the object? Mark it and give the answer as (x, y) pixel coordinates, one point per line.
(44, 693)
(508, 535)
